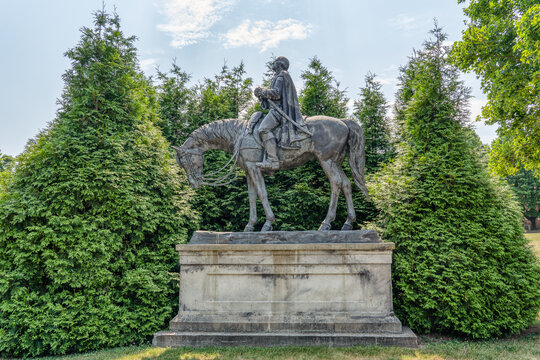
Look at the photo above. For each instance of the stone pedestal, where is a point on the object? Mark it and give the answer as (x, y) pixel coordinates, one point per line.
(285, 288)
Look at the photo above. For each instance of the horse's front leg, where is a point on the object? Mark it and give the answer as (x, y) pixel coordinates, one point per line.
(258, 180)
(252, 194)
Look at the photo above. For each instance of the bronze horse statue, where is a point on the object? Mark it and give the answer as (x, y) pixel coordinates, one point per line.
(330, 140)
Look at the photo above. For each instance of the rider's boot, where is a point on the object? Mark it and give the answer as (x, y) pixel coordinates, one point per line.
(271, 162)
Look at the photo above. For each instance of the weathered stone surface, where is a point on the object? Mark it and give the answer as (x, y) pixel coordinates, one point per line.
(295, 278)
(298, 322)
(176, 338)
(336, 293)
(285, 237)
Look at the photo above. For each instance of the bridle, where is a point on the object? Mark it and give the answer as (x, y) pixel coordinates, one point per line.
(186, 162)
(209, 179)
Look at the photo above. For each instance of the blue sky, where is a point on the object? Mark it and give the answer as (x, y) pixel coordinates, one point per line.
(351, 37)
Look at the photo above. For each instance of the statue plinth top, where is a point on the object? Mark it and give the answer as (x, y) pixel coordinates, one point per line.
(285, 237)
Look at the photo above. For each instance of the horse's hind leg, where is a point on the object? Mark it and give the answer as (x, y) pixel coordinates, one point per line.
(347, 192)
(329, 167)
(252, 194)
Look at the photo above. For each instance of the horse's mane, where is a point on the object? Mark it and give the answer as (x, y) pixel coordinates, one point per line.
(226, 130)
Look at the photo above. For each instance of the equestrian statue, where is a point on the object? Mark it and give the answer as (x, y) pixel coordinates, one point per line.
(280, 140)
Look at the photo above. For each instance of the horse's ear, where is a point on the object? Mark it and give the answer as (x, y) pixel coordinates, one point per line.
(176, 148)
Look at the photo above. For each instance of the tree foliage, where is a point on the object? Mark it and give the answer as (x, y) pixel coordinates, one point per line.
(92, 213)
(461, 265)
(7, 165)
(6, 162)
(502, 45)
(527, 188)
(370, 110)
(321, 94)
(300, 197)
(175, 102)
(226, 95)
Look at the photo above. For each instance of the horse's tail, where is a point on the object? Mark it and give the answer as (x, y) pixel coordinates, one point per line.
(357, 155)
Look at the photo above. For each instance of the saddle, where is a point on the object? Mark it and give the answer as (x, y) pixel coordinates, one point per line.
(254, 141)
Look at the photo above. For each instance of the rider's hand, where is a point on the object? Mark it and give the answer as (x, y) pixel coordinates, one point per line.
(258, 92)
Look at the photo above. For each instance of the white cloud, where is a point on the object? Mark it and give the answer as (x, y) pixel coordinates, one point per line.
(189, 20)
(387, 80)
(393, 68)
(148, 64)
(389, 75)
(404, 22)
(266, 34)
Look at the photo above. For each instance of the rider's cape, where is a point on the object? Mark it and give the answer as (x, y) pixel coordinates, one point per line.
(283, 84)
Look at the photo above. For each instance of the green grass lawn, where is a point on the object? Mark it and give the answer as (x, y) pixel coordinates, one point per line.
(522, 347)
(534, 238)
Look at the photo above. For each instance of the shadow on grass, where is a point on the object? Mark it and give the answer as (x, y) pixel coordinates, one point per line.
(268, 353)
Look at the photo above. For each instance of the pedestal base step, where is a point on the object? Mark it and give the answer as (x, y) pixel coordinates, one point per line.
(321, 323)
(177, 338)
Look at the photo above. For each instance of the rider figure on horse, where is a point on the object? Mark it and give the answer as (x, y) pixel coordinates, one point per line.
(282, 111)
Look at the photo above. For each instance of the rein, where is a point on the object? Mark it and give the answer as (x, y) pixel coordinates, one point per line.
(209, 179)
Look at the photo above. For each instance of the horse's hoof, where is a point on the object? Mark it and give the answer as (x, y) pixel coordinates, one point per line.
(266, 227)
(346, 227)
(249, 228)
(324, 227)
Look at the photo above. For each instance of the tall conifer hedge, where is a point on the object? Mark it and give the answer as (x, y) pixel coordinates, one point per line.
(91, 216)
(461, 265)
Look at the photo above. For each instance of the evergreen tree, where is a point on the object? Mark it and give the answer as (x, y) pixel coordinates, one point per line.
(226, 95)
(321, 94)
(370, 110)
(92, 214)
(461, 264)
(175, 104)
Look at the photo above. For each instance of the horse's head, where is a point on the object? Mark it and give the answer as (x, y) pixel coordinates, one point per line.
(191, 159)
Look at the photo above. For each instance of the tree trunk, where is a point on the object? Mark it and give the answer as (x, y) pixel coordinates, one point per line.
(533, 222)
